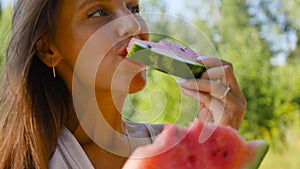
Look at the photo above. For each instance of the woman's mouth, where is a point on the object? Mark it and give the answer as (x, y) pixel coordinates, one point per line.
(124, 52)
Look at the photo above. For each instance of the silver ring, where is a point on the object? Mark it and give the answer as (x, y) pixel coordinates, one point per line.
(225, 93)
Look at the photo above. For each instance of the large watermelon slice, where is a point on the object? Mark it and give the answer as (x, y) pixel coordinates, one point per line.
(179, 148)
(166, 56)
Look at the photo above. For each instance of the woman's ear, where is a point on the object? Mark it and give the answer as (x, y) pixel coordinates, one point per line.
(47, 53)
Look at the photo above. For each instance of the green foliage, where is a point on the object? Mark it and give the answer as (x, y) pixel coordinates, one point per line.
(242, 46)
(5, 20)
(287, 155)
(292, 7)
(160, 102)
(272, 92)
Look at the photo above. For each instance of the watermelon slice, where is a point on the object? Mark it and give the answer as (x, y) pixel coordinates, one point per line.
(167, 57)
(179, 148)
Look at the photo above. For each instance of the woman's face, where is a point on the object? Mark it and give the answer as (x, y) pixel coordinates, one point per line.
(90, 39)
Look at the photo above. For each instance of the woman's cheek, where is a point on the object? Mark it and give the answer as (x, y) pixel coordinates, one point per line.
(120, 75)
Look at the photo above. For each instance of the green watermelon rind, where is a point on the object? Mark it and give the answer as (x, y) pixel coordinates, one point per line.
(261, 147)
(165, 61)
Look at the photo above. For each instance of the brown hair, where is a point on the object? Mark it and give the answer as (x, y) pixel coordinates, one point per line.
(33, 104)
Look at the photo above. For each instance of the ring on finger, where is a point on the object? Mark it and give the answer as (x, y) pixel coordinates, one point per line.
(225, 93)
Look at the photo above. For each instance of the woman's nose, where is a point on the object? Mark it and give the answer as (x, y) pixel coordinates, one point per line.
(128, 26)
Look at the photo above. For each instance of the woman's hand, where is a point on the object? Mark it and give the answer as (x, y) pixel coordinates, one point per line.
(220, 98)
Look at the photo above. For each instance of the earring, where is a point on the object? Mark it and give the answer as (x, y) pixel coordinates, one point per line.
(53, 69)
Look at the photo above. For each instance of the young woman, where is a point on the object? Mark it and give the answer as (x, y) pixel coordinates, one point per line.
(39, 127)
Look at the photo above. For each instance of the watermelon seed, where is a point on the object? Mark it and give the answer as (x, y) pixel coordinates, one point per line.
(192, 160)
(225, 154)
(149, 46)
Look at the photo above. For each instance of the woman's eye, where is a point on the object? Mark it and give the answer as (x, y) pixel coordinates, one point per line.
(135, 9)
(98, 13)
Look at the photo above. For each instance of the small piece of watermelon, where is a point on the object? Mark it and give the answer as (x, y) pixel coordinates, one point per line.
(167, 57)
(179, 148)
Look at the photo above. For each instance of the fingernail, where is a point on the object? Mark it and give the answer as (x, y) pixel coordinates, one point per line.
(201, 58)
(181, 80)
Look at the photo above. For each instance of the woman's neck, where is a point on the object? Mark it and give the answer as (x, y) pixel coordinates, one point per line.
(98, 155)
(108, 107)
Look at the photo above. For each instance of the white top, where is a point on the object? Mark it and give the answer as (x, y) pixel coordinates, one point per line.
(70, 155)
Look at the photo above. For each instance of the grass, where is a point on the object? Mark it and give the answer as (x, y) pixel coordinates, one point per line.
(287, 156)
(288, 159)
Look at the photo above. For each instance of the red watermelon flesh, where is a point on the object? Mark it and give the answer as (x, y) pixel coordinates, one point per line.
(179, 148)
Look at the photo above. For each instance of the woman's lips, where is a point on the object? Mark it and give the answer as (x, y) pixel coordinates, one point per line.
(125, 43)
(123, 47)
(124, 52)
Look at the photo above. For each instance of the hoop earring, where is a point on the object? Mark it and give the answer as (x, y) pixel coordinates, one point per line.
(53, 69)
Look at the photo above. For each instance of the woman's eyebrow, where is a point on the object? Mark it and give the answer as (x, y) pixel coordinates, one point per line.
(84, 3)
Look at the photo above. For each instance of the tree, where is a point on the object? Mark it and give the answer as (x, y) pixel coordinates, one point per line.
(276, 27)
(230, 25)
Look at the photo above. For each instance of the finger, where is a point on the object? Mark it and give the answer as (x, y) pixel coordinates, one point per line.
(205, 115)
(223, 73)
(210, 62)
(215, 88)
(221, 115)
(216, 108)
(192, 94)
(195, 84)
(204, 99)
(227, 77)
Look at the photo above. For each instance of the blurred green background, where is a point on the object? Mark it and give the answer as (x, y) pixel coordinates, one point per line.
(260, 38)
